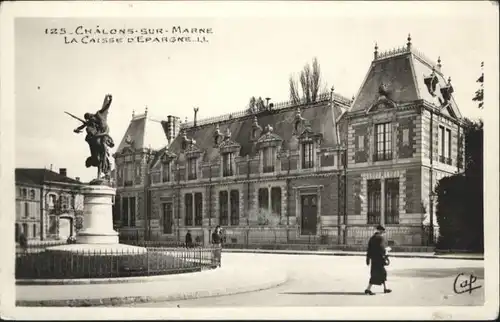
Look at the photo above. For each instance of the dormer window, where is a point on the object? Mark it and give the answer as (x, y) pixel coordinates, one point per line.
(269, 154)
(307, 155)
(227, 164)
(192, 168)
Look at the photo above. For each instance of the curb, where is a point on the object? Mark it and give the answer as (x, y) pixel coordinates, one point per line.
(349, 254)
(119, 301)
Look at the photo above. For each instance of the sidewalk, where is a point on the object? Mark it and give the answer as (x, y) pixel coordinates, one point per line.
(229, 279)
(354, 253)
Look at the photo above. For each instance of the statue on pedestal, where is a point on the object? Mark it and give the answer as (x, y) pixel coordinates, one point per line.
(98, 139)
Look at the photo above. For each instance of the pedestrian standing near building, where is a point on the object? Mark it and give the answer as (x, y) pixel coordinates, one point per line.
(189, 240)
(217, 242)
(23, 242)
(376, 256)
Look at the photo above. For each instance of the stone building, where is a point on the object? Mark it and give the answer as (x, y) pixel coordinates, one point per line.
(329, 170)
(48, 204)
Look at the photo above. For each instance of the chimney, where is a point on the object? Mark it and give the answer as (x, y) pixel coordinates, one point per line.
(195, 113)
(63, 172)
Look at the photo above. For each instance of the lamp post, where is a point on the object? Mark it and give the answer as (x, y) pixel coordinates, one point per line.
(432, 196)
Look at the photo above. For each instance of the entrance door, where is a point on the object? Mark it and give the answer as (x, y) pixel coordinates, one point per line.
(167, 218)
(309, 214)
(64, 227)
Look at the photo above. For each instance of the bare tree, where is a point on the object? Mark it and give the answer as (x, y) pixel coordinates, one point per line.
(294, 91)
(310, 82)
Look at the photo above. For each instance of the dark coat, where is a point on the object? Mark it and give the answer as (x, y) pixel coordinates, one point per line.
(375, 254)
(189, 240)
(216, 238)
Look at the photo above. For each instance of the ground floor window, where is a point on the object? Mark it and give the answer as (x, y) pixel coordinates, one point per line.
(223, 208)
(128, 211)
(188, 205)
(235, 207)
(198, 209)
(373, 201)
(391, 215)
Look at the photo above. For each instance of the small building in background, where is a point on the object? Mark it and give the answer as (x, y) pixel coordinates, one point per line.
(49, 205)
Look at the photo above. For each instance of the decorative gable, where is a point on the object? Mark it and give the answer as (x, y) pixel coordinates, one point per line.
(256, 130)
(218, 137)
(269, 138)
(383, 102)
(309, 136)
(191, 150)
(228, 145)
(168, 156)
(431, 82)
(446, 92)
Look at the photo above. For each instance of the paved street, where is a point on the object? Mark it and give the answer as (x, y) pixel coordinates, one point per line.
(341, 280)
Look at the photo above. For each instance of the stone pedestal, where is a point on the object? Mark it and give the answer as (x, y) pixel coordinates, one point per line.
(97, 216)
(97, 235)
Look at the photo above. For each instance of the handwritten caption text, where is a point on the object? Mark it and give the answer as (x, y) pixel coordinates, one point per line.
(98, 35)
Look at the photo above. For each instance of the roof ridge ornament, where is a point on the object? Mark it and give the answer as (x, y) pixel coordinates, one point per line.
(375, 53)
(408, 44)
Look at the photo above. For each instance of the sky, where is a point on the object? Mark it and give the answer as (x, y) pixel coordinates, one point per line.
(244, 56)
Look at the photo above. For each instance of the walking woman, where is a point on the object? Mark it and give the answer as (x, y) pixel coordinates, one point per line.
(376, 256)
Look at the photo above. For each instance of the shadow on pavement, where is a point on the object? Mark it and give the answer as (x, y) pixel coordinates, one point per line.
(324, 293)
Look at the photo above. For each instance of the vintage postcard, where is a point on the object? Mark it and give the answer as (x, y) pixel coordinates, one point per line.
(249, 160)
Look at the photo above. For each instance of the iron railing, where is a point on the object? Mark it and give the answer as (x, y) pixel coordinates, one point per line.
(106, 264)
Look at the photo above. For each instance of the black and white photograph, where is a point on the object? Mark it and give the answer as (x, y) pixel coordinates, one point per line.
(249, 160)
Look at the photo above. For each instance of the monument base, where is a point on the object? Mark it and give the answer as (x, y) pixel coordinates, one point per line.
(97, 249)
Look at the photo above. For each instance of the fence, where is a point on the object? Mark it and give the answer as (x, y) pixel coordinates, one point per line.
(35, 263)
(399, 237)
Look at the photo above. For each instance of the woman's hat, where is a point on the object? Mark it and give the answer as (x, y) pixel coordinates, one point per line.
(380, 228)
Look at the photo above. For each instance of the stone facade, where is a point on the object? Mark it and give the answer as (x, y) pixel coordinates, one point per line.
(48, 204)
(330, 170)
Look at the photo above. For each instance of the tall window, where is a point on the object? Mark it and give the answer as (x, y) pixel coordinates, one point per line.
(26, 209)
(52, 201)
(188, 203)
(128, 212)
(373, 201)
(166, 172)
(235, 207)
(52, 225)
(383, 147)
(34, 230)
(263, 198)
(25, 230)
(132, 211)
(441, 144)
(167, 218)
(392, 201)
(227, 164)
(307, 155)
(129, 173)
(64, 202)
(125, 212)
(276, 201)
(447, 153)
(32, 194)
(269, 158)
(25, 193)
(192, 173)
(198, 209)
(223, 208)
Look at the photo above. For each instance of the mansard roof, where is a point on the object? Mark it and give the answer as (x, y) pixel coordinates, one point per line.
(321, 117)
(143, 132)
(39, 176)
(400, 74)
